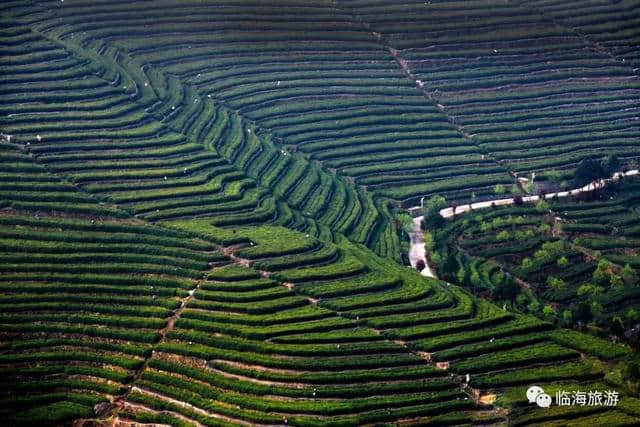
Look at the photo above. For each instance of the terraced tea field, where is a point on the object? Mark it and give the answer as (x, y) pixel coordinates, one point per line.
(568, 254)
(202, 206)
(531, 89)
(250, 325)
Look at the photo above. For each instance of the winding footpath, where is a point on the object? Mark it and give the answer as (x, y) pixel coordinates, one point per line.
(417, 250)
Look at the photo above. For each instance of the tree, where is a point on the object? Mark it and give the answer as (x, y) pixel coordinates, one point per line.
(617, 327)
(629, 275)
(521, 300)
(542, 256)
(632, 337)
(554, 247)
(420, 265)
(436, 203)
(588, 170)
(530, 187)
(597, 311)
(533, 307)
(562, 262)
(429, 242)
(449, 263)
(567, 317)
(611, 164)
(547, 312)
(600, 276)
(499, 189)
(581, 311)
(432, 209)
(543, 228)
(436, 258)
(589, 290)
(554, 175)
(404, 222)
(556, 284)
(503, 235)
(506, 290)
(602, 272)
(631, 370)
(615, 281)
(542, 206)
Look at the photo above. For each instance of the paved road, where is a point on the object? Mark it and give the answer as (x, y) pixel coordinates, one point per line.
(448, 212)
(416, 250)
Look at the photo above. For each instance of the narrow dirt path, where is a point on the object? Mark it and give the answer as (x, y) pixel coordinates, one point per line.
(588, 39)
(421, 87)
(119, 400)
(196, 409)
(418, 252)
(119, 422)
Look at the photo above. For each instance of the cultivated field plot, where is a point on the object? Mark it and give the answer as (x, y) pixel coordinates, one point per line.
(161, 151)
(314, 80)
(569, 253)
(199, 210)
(184, 323)
(537, 84)
(277, 328)
(610, 26)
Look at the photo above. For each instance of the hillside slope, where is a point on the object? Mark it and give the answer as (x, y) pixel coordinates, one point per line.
(197, 205)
